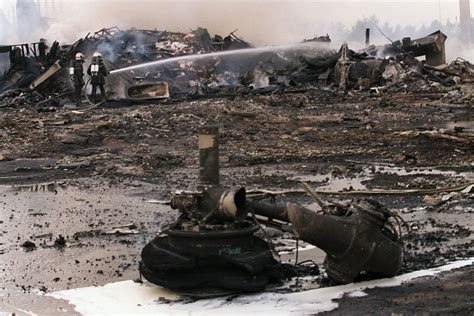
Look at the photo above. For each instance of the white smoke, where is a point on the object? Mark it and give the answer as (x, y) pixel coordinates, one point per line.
(262, 22)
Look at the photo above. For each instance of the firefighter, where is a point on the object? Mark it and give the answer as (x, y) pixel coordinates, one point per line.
(77, 76)
(17, 61)
(98, 72)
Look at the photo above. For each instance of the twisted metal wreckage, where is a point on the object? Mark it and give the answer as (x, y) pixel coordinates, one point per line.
(212, 247)
(194, 65)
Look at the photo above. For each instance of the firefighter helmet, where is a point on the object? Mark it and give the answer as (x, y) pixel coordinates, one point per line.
(80, 56)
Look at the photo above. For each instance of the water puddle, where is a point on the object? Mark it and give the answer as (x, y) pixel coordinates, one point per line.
(353, 181)
(419, 171)
(41, 187)
(327, 182)
(50, 209)
(464, 127)
(20, 167)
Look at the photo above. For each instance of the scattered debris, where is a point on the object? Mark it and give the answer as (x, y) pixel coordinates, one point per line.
(60, 242)
(122, 230)
(28, 245)
(130, 229)
(431, 46)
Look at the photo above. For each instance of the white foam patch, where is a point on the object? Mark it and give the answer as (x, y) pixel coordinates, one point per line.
(357, 294)
(128, 297)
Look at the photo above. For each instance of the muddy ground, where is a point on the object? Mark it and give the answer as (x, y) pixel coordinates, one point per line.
(446, 294)
(83, 175)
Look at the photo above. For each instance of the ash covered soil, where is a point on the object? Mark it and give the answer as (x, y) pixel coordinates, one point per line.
(76, 185)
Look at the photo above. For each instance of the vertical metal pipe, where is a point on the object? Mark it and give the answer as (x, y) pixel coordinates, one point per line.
(367, 37)
(209, 155)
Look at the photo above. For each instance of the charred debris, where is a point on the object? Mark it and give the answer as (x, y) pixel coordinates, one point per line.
(162, 66)
(213, 247)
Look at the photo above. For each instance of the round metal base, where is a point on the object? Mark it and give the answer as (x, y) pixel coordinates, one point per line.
(224, 266)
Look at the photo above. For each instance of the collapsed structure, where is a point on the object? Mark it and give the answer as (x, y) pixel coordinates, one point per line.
(47, 73)
(153, 65)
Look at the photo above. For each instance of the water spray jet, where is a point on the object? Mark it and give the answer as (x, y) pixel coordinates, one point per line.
(238, 52)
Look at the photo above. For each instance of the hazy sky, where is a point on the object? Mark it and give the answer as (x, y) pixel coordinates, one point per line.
(263, 21)
(405, 11)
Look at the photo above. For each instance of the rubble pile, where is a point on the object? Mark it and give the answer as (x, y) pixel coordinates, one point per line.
(153, 65)
(119, 48)
(123, 48)
(395, 68)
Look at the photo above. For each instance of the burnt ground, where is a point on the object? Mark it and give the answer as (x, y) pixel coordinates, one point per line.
(446, 294)
(83, 174)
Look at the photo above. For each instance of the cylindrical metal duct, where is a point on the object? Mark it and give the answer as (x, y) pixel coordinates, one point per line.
(333, 234)
(353, 244)
(209, 155)
(276, 211)
(225, 204)
(233, 204)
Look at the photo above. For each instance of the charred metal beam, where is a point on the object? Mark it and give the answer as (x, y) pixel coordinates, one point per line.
(46, 76)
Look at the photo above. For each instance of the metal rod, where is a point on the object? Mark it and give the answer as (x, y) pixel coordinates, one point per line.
(209, 155)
